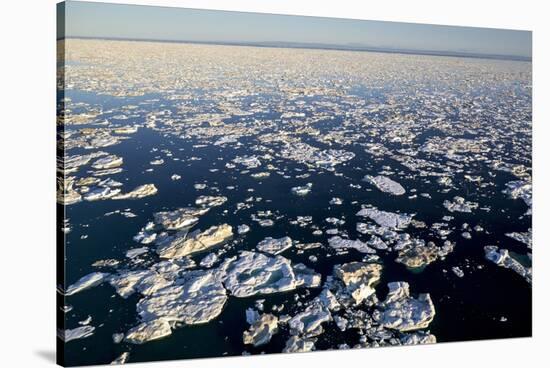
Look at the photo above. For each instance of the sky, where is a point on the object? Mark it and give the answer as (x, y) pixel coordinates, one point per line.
(102, 20)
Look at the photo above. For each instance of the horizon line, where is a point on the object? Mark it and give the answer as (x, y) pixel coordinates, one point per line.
(317, 46)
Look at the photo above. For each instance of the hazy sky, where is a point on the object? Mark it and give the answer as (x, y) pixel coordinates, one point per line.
(165, 23)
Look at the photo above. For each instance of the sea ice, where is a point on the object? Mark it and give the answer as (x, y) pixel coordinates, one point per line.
(86, 282)
(255, 274)
(385, 184)
(404, 313)
(261, 330)
(386, 219)
(198, 242)
(274, 246)
(139, 192)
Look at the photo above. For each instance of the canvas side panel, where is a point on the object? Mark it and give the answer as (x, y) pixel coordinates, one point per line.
(60, 156)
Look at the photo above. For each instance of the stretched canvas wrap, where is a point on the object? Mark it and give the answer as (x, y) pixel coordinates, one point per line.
(237, 183)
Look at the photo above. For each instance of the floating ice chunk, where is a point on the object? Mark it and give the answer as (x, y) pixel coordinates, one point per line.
(76, 333)
(67, 308)
(336, 201)
(314, 157)
(86, 282)
(335, 221)
(133, 253)
(260, 175)
(255, 273)
(274, 246)
(358, 278)
(308, 246)
(525, 238)
(157, 162)
(296, 344)
(86, 321)
(402, 312)
(341, 323)
(385, 184)
(175, 177)
(139, 192)
(180, 218)
(106, 172)
(309, 322)
(196, 298)
(305, 276)
(261, 330)
(243, 229)
(144, 281)
(252, 316)
(337, 242)
(377, 243)
(106, 263)
(209, 260)
(459, 204)
(418, 255)
(145, 236)
(226, 139)
(302, 190)
(101, 193)
(69, 164)
(207, 239)
(127, 129)
(122, 359)
(250, 162)
(520, 189)
(328, 300)
(118, 337)
(148, 331)
(107, 162)
(417, 338)
(502, 258)
(458, 271)
(210, 201)
(386, 219)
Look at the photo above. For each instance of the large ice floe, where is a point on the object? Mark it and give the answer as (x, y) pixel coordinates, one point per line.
(180, 246)
(416, 253)
(358, 278)
(86, 282)
(386, 219)
(76, 333)
(274, 246)
(385, 184)
(503, 258)
(180, 218)
(107, 162)
(139, 192)
(338, 243)
(402, 312)
(254, 273)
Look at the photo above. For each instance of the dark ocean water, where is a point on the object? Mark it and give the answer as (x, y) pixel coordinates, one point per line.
(468, 308)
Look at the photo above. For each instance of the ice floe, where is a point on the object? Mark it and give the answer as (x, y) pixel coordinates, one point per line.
(385, 184)
(274, 246)
(261, 330)
(503, 258)
(196, 242)
(402, 312)
(254, 273)
(386, 219)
